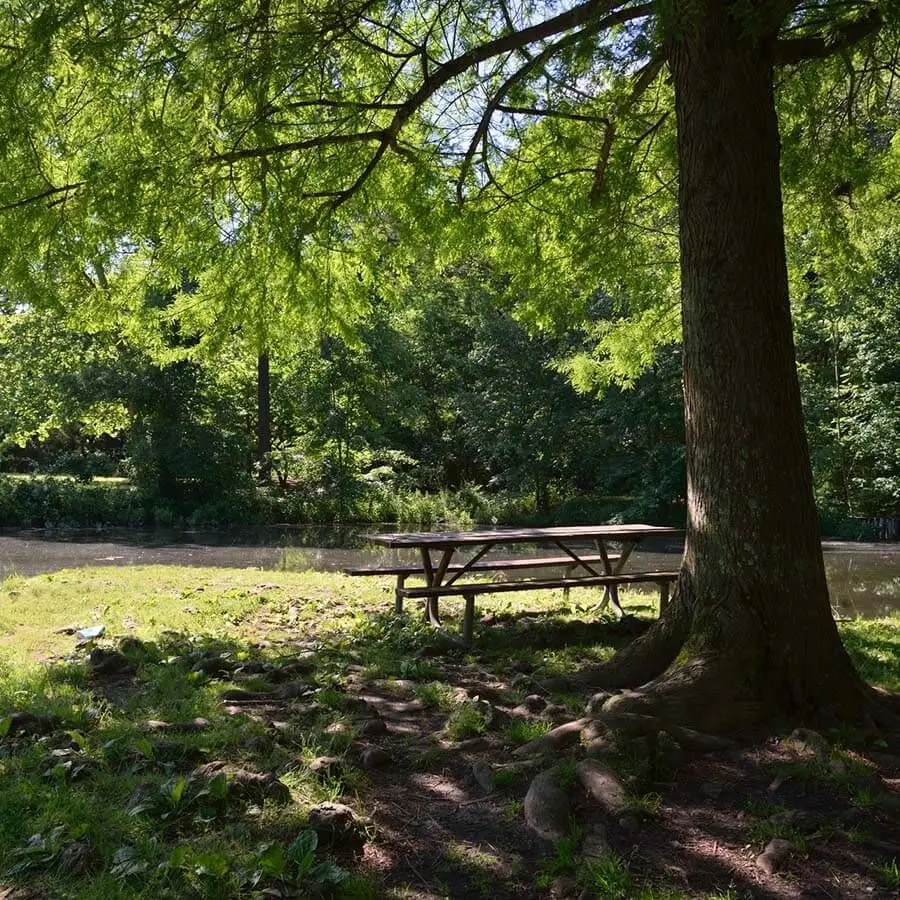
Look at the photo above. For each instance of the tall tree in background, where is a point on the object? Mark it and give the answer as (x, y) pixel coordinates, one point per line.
(141, 135)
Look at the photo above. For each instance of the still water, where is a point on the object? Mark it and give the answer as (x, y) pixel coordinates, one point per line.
(864, 579)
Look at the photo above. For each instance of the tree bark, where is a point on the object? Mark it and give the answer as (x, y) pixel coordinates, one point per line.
(752, 598)
(264, 432)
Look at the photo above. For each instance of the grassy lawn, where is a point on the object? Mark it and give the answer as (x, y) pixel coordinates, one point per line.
(174, 756)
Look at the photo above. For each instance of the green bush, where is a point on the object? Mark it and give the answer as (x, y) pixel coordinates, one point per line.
(47, 502)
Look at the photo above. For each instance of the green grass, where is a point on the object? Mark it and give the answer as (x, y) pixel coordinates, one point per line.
(890, 874)
(466, 721)
(76, 791)
(874, 646)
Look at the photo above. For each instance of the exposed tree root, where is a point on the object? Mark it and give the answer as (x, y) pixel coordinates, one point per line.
(647, 656)
(702, 695)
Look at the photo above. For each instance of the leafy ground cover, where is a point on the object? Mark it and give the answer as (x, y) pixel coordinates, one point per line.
(237, 733)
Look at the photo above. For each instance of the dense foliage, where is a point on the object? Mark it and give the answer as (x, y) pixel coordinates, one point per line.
(187, 188)
(440, 393)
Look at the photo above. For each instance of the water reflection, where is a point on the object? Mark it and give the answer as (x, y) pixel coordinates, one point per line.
(864, 579)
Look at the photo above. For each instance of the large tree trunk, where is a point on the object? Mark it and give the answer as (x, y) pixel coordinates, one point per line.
(751, 628)
(264, 432)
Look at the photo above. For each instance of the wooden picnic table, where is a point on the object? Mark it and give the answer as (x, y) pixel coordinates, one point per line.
(586, 554)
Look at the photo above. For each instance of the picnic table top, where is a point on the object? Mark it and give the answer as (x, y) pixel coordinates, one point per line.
(427, 539)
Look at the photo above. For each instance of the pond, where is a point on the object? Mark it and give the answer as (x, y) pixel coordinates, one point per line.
(864, 579)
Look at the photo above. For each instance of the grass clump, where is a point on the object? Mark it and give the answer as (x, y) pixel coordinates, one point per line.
(521, 731)
(435, 695)
(890, 874)
(608, 878)
(466, 721)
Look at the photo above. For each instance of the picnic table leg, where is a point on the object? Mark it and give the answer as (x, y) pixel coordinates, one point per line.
(468, 619)
(611, 591)
(398, 594)
(433, 578)
(663, 596)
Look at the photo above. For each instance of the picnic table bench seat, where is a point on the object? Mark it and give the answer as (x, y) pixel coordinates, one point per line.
(470, 590)
(402, 572)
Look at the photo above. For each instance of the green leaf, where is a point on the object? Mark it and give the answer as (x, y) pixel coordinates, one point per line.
(145, 748)
(272, 861)
(78, 739)
(218, 787)
(5, 725)
(214, 864)
(328, 873)
(180, 857)
(305, 842)
(176, 792)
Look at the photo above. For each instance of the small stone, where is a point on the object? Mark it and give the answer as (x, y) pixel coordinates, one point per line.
(372, 727)
(338, 728)
(190, 725)
(564, 886)
(556, 712)
(105, 662)
(521, 667)
(595, 845)
(78, 857)
(547, 807)
(483, 775)
(335, 823)
(327, 766)
(773, 857)
(254, 787)
(595, 704)
(156, 725)
(374, 758)
(27, 723)
(805, 740)
(604, 785)
(534, 703)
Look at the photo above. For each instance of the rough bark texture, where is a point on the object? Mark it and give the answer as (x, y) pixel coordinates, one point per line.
(264, 434)
(752, 598)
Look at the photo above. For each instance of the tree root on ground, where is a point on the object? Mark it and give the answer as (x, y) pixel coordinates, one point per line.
(648, 656)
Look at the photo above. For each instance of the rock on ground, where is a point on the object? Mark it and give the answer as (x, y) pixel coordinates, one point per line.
(547, 807)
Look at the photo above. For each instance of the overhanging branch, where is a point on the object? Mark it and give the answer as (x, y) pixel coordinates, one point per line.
(645, 78)
(64, 189)
(797, 50)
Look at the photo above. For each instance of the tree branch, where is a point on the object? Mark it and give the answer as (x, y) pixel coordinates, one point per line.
(551, 113)
(591, 16)
(797, 50)
(43, 195)
(645, 78)
(325, 140)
